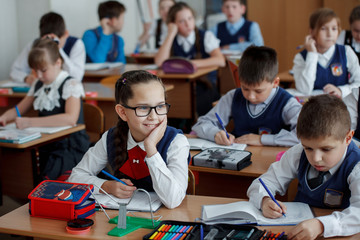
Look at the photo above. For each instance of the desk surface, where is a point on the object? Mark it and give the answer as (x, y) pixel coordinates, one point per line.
(20, 223)
(45, 138)
(128, 67)
(262, 157)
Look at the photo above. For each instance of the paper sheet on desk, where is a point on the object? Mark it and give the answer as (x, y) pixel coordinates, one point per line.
(10, 84)
(98, 66)
(202, 144)
(140, 202)
(47, 130)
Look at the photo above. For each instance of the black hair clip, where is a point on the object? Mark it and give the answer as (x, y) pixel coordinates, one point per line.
(124, 81)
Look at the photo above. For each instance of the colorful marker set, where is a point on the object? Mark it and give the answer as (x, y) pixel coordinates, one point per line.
(273, 236)
(172, 232)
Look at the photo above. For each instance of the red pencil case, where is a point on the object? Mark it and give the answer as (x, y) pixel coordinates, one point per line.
(61, 200)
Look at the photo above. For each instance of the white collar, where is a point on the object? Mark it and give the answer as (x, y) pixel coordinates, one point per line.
(48, 101)
(131, 143)
(186, 40)
(329, 53)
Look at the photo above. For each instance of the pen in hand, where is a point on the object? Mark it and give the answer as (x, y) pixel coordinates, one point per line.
(17, 111)
(222, 125)
(271, 196)
(112, 177)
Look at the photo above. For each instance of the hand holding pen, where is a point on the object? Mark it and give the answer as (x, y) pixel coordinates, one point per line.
(123, 190)
(267, 210)
(223, 137)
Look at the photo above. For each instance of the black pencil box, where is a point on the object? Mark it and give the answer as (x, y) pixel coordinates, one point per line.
(223, 158)
(191, 230)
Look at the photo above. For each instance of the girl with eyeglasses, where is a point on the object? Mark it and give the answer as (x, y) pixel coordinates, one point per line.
(141, 149)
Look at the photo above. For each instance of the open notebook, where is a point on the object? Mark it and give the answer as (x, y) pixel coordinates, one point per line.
(202, 144)
(140, 202)
(18, 135)
(245, 212)
(47, 130)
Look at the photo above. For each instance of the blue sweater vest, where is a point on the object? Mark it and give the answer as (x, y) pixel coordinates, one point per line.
(335, 73)
(61, 108)
(336, 187)
(178, 51)
(162, 148)
(240, 36)
(268, 121)
(357, 131)
(70, 41)
(114, 51)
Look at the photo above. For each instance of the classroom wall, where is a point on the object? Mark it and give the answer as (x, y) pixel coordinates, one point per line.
(8, 36)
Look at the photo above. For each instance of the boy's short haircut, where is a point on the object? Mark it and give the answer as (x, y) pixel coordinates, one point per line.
(52, 23)
(322, 16)
(354, 15)
(323, 116)
(258, 64)
(242, 2)
(110, 9)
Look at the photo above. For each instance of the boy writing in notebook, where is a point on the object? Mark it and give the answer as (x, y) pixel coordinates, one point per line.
(237, 33)
(72, 50)
(263, 113)
(326, 164)
(102, 44)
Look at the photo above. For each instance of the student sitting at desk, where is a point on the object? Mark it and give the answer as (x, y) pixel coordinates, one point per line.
(102, 44)
(352, 37)
(237, 33)
(57, 97)
(72, 50)
(323, 64)
(202, 47)
(157, 27)
(141, 149)
(326, 164)
(263, 113)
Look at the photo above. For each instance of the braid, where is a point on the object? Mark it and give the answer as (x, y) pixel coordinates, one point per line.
(197, 44)
(120, 141)
(124, 92)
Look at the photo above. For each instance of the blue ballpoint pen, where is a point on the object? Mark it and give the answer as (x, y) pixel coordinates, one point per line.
(17, 111)
(112, 177)
(271, 196)
(222, 125)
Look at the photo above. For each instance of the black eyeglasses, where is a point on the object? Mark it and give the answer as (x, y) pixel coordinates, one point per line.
(143, 111)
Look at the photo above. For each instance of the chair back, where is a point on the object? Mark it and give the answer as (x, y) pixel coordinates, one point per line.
(191, 183)
(228, 77)
(94, 121)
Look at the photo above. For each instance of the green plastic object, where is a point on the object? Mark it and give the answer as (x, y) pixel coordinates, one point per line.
(132, 224)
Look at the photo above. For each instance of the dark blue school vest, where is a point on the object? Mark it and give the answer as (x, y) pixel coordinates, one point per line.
(178, 51)
(240, 36)
(114, 51)
(61, 108)
(70, 41)
(335, 73)
(349, 40)
(268, 121)
(162, 147)
(335, 187)
(158, 33)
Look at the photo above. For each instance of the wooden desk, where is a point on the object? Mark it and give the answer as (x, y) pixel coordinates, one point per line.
(142, 58)
(286, 80)
(211, 180)
(19, 170)
(182, 99)
(20, 223)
